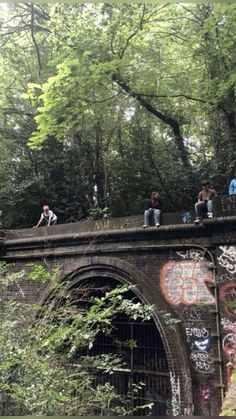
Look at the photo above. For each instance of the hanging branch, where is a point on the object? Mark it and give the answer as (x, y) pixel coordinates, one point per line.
(33, 37)
(171, 122)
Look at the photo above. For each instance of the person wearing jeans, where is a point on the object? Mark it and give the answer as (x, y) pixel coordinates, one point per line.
(154, 204)
(204, 203)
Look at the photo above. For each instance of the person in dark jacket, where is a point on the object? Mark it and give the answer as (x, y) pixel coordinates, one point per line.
(153, 204)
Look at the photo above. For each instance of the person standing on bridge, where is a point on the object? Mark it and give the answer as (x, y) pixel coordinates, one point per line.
(232, 185)
(47, 217)
(204, 203)
(154, 204)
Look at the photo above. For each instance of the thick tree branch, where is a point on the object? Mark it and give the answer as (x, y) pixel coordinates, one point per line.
(171, 122)
(174, 96)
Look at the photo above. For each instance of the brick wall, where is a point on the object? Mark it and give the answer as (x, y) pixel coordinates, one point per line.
(187, 270)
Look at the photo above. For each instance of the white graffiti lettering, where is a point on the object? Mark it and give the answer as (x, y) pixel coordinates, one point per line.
(195, 331)
(193, 254)
(228, 325)
(191, 315)
(175, 395)
(202, 362)
(187, 380)
(228, 258)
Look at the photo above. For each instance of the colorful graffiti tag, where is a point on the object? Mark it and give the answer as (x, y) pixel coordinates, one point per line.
(227, 294)
(184, 282)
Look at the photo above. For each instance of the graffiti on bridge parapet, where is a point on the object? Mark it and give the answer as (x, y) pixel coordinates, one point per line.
(184, 282)
(228, 203)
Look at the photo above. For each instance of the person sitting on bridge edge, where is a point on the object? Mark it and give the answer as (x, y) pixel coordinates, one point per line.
(204, 203)
(153, 204)
(47, 217)
(232, 185)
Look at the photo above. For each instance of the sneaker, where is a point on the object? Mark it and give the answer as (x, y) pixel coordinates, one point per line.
(145, 225)
(157, 225)
(210, 215)
(197, 221)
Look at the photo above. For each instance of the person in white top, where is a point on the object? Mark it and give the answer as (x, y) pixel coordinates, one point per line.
(47, 217)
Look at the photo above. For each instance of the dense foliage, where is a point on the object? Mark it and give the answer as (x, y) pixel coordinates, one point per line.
(46, 366)
(102, 103)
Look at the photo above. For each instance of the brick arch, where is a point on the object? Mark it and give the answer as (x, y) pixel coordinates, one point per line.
(124, 272)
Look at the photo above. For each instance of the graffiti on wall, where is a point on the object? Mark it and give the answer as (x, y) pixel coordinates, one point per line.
(227, 294)
(193, 254)
(228, 297)
(199, 338)
(184, 282)
(228, 325)
(192, 315)
(205, 395)
(202, 362)
(226, 277)
(174, 405)
(227, 259)
(229, 346)
(228, 203)
(187, 382)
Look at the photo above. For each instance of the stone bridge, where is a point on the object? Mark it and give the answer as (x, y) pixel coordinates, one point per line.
(186, 270)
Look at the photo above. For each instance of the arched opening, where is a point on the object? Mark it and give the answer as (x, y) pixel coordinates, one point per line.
(144, 375)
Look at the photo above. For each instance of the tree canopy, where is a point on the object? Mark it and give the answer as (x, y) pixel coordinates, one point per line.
(102, 103)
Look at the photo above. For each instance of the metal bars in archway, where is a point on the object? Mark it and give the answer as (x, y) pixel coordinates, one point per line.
(144, 377)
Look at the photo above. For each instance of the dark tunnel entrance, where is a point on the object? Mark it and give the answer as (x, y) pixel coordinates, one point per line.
(140, 346)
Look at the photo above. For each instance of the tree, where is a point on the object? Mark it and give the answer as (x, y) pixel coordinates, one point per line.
(121, 94)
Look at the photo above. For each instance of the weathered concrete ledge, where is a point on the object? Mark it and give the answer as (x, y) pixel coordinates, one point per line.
(69, 239)
(87, 226)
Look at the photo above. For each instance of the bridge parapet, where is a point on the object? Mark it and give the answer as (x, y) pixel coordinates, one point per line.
(187, 270)
(225, 210)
